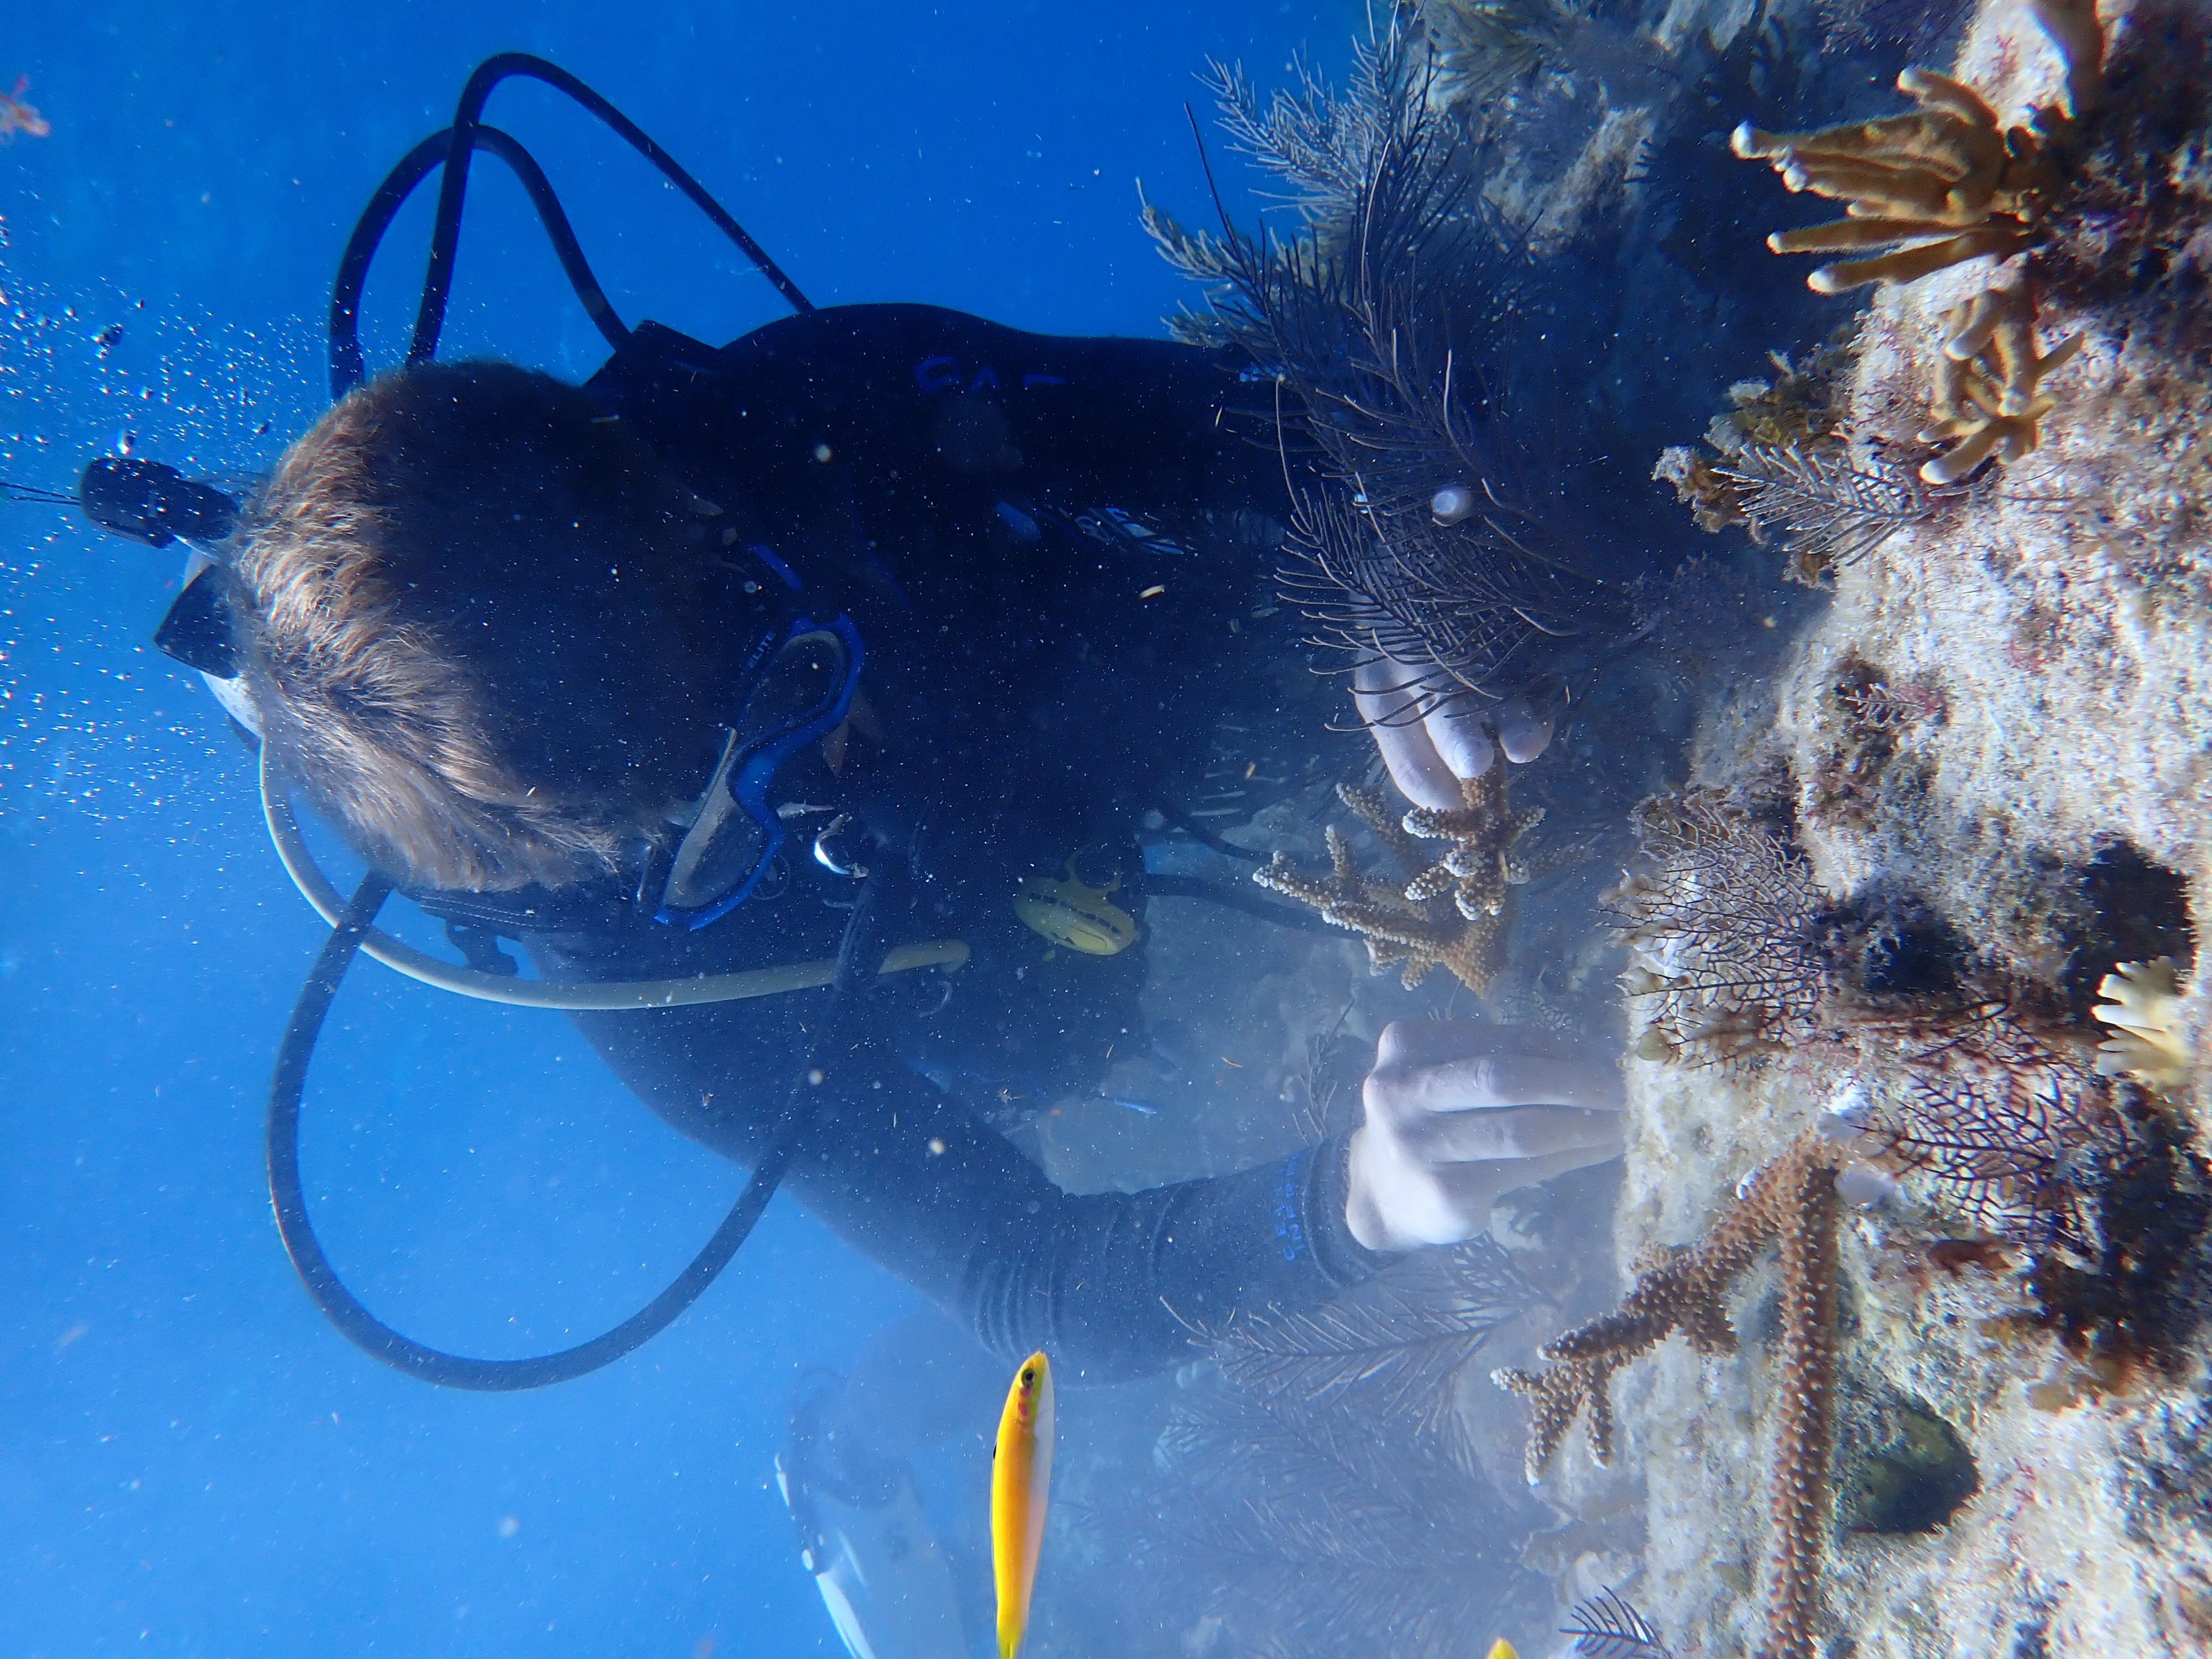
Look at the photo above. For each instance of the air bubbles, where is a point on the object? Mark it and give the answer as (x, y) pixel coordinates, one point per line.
(125, 442)
(1862, 1186)
(1452, 503)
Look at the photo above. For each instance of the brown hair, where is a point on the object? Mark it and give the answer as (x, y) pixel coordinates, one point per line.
(480, 638)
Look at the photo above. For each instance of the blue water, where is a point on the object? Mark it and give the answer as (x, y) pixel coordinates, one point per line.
(191, 1462)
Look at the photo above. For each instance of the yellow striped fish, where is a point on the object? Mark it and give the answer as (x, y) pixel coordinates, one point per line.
(1021, 1474)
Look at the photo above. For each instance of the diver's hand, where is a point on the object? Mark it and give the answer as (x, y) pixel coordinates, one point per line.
(1458, 1113)
(1428, 755)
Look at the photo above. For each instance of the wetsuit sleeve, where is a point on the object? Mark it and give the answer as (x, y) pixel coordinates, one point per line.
(1111, 1285)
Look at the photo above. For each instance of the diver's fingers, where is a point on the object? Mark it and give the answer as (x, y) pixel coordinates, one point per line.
(1381, 694)
(1398, 1202)
(1408, 1043)
(1514, 1135)
(1468, 1191)
(1523, 734)
(1458, 733)
(1497, 1077)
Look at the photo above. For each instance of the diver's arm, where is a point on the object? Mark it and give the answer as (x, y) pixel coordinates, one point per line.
(1112, 1285)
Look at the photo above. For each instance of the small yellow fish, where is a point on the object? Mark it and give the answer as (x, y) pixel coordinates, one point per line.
(1021, 1475)
(1502, 1649)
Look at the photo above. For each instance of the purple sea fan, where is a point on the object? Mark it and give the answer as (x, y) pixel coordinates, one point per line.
(1995, 1117)
(1723, 932)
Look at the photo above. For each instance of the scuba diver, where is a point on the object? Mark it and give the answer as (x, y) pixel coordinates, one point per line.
(849, 656)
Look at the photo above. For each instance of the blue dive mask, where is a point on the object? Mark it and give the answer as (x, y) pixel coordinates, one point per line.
(801, 697)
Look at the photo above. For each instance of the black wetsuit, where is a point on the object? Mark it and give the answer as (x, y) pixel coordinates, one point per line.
(994, 510)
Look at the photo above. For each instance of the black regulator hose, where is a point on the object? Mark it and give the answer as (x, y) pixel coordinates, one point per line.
(371, 1334)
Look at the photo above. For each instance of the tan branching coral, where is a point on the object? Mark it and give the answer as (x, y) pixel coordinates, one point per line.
(1987, 395)
(1454, 912)
(1790, 1202)
(1943, 184)
(1935, 188)
(2142, 1005)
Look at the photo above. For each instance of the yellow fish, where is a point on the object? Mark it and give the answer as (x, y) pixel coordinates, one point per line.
(1021, 1474)
(1502, 1649)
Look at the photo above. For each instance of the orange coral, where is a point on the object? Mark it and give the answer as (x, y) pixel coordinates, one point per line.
(1792, 1203)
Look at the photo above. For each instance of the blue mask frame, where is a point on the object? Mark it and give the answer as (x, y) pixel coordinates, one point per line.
(736, 827)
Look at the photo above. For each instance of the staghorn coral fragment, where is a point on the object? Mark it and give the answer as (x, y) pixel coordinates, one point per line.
(1798, 1492)
(2142, 1005)
(1987, 382)
(1480, 864)
(1790, 1202)
(1454, 912)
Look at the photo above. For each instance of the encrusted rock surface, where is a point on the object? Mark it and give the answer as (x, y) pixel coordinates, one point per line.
(2037, 778)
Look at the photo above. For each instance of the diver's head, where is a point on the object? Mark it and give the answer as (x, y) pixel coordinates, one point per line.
(487, 633)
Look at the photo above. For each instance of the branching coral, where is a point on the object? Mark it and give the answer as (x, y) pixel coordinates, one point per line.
(1935, 188)
(2142, 1005)
(1454, 912)
(1986, 387)
(1943, 184)
(1792, 1203)
(1932, 189)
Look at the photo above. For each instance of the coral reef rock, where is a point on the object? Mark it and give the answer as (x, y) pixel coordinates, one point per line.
(1990, 750)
